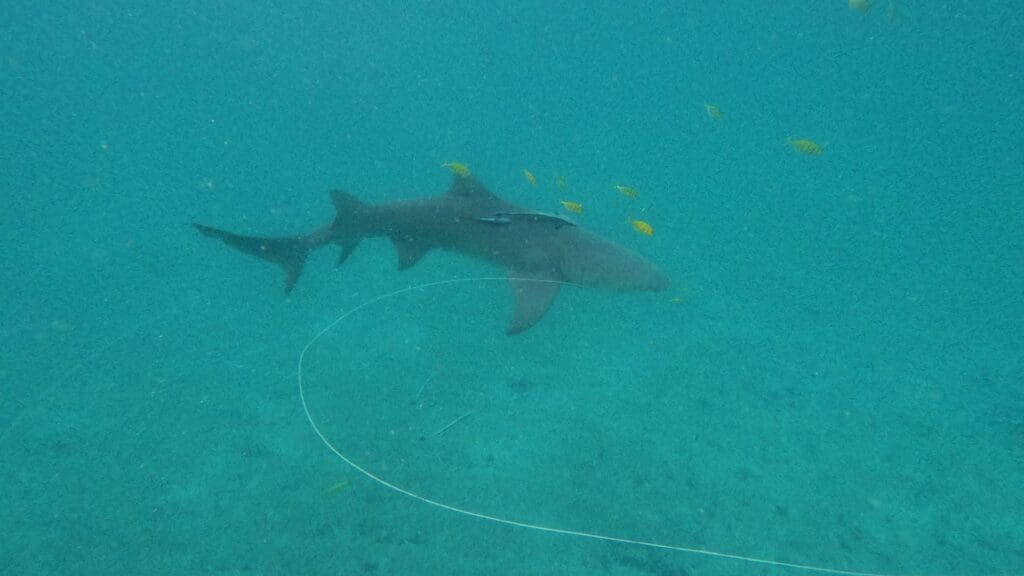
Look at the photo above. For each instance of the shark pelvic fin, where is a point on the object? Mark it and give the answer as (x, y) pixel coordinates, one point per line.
(344, 230)
(409, 251)
(534, 294)
(347, 247)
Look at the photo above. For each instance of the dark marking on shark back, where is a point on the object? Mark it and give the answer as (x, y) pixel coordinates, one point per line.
(505, 218)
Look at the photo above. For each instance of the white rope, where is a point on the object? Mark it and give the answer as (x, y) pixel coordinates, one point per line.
(508, 521)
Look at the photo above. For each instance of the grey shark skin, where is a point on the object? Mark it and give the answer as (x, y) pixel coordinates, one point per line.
(539, 250)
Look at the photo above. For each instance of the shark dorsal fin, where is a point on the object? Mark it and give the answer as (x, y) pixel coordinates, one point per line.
(469, 187)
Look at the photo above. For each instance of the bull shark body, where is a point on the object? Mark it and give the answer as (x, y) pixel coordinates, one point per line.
(538, 250)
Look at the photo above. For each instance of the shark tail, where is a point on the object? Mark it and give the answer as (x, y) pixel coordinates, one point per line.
(289, 252)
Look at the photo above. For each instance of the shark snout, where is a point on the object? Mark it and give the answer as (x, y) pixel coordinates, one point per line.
(603, 264)
(657, 281)
(641, 275)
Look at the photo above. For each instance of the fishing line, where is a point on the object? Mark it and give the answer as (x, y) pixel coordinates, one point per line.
(508, 521)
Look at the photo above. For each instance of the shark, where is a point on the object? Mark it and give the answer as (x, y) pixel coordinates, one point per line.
(541, 252)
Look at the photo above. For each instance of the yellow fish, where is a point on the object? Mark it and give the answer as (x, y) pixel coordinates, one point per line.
(458, 168)
(714, 111)
(530, 177)
(862, 6)
(809, 147)
(677, 300)
(560, 180)
(337, 487)
(893, 12)
(642, 227)
(574, 207)
(631, 192)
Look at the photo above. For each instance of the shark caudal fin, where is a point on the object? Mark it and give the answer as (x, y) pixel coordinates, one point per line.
(289, 252)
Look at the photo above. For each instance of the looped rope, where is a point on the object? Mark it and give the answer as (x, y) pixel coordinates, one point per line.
(507, 521)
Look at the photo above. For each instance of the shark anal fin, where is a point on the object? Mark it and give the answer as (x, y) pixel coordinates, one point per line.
(409, 251)
(346, 250)
(534, 294)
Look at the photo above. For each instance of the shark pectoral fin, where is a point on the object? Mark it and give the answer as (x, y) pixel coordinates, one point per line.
(534, 295)
(409, 251)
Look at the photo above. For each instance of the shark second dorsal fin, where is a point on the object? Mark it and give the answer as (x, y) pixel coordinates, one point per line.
(534, 294)
(468, 187)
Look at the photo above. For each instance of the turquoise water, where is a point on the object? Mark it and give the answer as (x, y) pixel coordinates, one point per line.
(833, 380)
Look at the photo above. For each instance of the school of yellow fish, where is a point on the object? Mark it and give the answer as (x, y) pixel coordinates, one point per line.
(641, 226)
(804, 146)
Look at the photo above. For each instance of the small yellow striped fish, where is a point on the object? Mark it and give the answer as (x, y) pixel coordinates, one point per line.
(530, 177)
(631, 192)
(574, 207)
(809, 147)
(642, 227)
(862, 6)
(337, 487)
(714, 111)
(458, 168)
(560, 181)
(892, 13)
